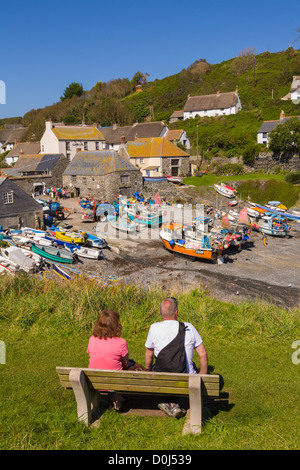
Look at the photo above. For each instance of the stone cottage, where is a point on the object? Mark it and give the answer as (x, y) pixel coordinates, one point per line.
(35, 173)
(103, 174)
(18, 208)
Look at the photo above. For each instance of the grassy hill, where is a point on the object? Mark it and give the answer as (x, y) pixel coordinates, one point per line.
(262, 80)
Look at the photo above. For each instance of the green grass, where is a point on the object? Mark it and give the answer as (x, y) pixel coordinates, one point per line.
(210, 179)
(45, 324)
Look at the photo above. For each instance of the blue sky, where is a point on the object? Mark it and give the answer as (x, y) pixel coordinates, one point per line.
(47, 45)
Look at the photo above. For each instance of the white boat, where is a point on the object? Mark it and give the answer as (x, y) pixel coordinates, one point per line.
(6, 268)
(84, 252)
(122, 224)
(224, 191)
(17, 258)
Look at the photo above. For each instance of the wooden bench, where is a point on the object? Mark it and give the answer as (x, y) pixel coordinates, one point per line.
(86, 383)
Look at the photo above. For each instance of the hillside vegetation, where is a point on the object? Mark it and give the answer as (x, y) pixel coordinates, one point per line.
(262, 80)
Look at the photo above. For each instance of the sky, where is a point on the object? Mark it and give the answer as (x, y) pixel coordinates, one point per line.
(45, 46)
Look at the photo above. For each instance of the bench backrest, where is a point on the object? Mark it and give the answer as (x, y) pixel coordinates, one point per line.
(141, 382)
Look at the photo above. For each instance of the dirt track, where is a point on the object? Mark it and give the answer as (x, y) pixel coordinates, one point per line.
(269, 272)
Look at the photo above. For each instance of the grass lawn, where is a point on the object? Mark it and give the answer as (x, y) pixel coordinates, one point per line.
(250, 345)
(210, 179)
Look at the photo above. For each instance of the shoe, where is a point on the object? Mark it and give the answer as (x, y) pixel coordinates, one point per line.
(172, 409)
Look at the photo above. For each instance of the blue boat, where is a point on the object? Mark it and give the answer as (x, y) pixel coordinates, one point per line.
(94, 241)
(122, 224)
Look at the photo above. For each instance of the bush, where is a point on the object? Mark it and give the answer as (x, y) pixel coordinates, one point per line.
(230, 169)
(293, 177)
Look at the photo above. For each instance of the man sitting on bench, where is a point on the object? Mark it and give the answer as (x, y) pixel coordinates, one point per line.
(172, 343)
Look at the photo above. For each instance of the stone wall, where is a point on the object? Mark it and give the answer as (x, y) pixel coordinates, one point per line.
(184, 166)
(267, 161)
(106, 188)
(25, 219)
(166, 189)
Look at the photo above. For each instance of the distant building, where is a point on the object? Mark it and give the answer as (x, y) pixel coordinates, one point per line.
(263, 133)
(178, 136)
(69, 140)
(17, 208)
(176, 116)
(116, 135)
(156, 156)
(102, 174)
(20, 149)
(294, 93)
(10, 136)
(218, 104)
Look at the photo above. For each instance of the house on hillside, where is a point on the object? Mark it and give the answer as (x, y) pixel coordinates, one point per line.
(18, 208)
(178, 136)
(156, 156)
(35, 173)
(263, 133)
(10, 136)
(294, 93)
(69, 140)
(116, 135)
(218, 104)
(24, 148)
(176, 116)
(102, 174)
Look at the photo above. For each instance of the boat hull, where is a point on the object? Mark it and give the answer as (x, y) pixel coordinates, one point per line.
(58, 256)
(201, 254)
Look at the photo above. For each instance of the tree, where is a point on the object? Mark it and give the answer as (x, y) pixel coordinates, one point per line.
(286, 136)
(74, 89)
(139, 78)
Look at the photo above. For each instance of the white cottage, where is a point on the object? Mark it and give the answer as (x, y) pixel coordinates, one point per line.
(218, 104)
(69, 140)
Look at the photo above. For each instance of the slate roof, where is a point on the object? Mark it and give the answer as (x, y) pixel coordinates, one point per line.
(174, 134)
(295, 83)
(141, 130)
(154, 147)
(97, 163)
(22, 201)
(177, 114)
(77, 133)
(268, 126)
(39, 162)
(215, 101)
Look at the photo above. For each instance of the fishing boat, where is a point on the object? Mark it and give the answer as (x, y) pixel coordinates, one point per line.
(287, 215)
(228, 187)
(36, 232)
(5, 268)
(55, 254)
(275, 225)
(171, 236)
(17, 258)
(154, 178)
(224, 191)
(70, 237)
(62, 274)
(122, 224)
(93, 240)
(144, 217)
(174, 179)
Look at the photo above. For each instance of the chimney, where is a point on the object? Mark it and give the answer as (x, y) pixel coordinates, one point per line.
(95, 125)
(282, 114)
(218, 93)
(123, 139)
(49, 124)
(21, 152)
(136, 136)
(115, 125)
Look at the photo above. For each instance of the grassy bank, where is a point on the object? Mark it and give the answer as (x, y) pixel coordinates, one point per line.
(45, 324)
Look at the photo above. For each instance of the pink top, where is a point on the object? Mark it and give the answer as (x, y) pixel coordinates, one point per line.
(107, 353)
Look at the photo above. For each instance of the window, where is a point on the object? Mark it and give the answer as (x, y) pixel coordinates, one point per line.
(73, 177)
(97, 145)
(68, 156)
(67, 145)
(85, 145)
(141, 160)
(264, 135)
(124, 179)
(84, 181)
(174, 162)
(9, 198)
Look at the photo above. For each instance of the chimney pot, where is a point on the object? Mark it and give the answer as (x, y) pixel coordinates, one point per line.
(282, 114)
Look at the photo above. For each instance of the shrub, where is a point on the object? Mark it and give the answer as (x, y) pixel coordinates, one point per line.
(293, 177)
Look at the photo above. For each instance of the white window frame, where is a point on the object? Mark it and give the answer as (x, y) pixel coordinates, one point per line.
(8, 197)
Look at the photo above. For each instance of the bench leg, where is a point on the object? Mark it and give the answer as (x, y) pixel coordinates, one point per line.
(82, 394)
(195, 404)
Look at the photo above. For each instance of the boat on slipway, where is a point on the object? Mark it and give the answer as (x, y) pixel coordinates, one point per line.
(171, 236)
(55, 254)
(144, 217)
(275, 225)
(122, 224)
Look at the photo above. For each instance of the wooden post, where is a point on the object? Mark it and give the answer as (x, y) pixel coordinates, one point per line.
(82, 394)
(195, 403)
